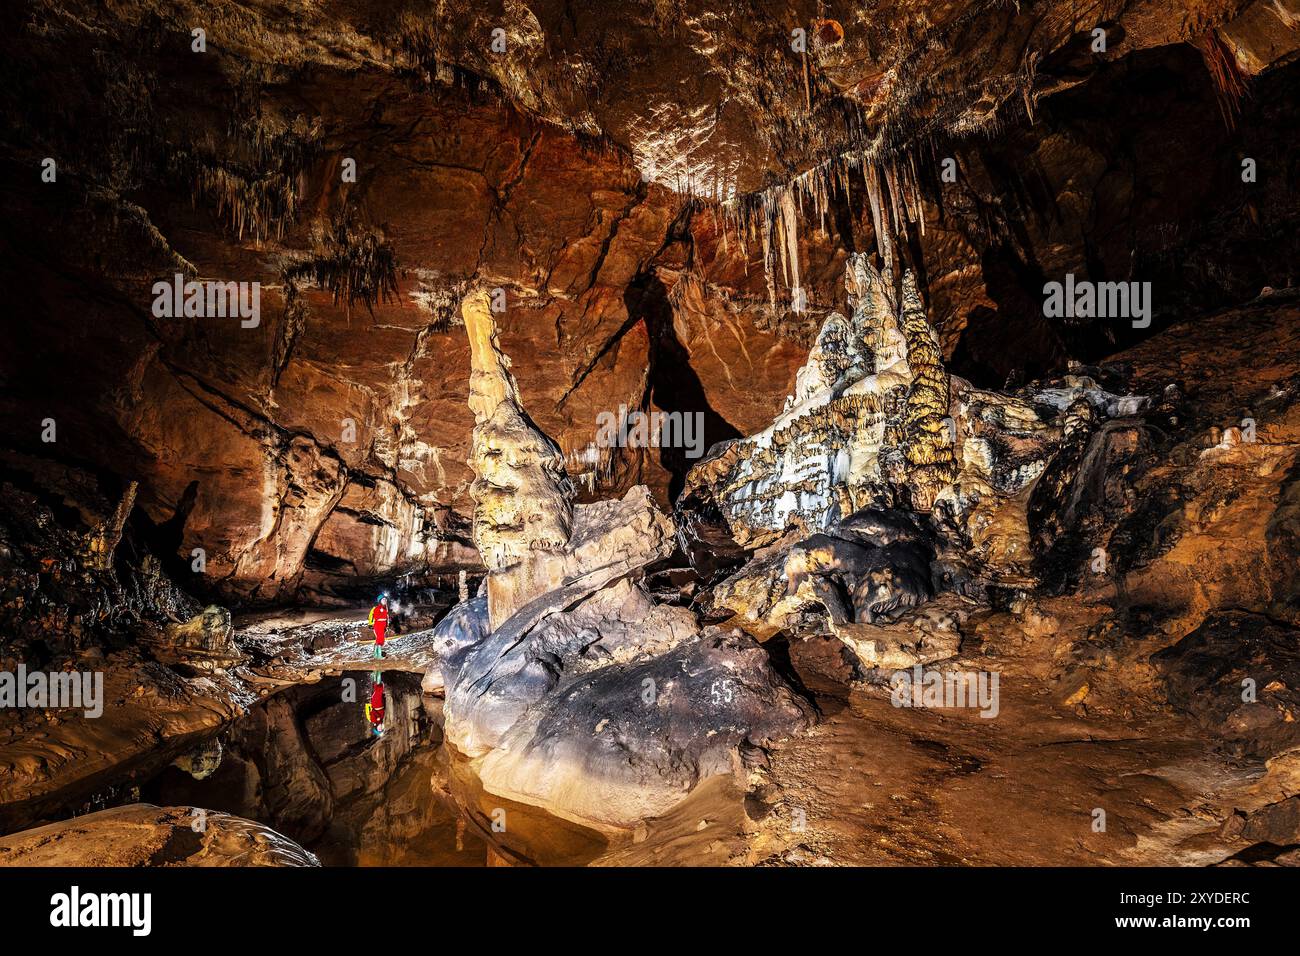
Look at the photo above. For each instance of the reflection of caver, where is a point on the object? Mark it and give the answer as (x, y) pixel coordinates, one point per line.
(375, 709)
(379, 621)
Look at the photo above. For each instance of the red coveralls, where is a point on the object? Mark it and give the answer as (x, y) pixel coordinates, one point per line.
(379, 620)
(375, 709)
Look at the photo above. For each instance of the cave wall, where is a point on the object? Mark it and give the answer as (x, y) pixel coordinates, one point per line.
(327, 445)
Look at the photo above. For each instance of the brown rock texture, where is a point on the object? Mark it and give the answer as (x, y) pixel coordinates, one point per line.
(145, 835)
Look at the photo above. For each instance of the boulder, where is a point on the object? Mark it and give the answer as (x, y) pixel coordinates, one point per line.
(628, 741)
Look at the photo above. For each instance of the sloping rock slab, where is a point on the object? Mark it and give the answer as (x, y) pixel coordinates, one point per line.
(141, 834)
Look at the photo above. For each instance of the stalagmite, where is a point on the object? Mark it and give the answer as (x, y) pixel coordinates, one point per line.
(927, 429)
(872, 423)
(102, 541)
(523, 499)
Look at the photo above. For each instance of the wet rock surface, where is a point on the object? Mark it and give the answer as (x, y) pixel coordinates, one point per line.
(1237, 675)
(630, 741)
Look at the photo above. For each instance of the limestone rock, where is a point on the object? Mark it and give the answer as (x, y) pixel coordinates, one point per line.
(205, 640)
(102, 541)
(523, 499)
(923, 635)
(141, 834)
(870, 568)
(465, 625)
(1238, 675)
(514, 668)
(837, 447)
(628, 741)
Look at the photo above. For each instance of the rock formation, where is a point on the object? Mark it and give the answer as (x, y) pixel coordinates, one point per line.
(884, 482)
(833, 264)
(567, 642)
(875, 420)
(145, 835)
(523, 500)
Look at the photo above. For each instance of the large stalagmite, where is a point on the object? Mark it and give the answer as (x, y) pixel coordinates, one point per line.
(868, 423)
(523, 500)
(547, 694)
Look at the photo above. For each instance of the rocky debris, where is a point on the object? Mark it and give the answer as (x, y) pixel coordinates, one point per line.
(922, 635)
(282, 653)
(142, 834)
(205, 641)
(203, 761)
(1238, 675)
(59, 591)
(629, 740)
(872, 567)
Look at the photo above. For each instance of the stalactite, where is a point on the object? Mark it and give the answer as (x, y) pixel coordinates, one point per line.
(792, 246)
(352, 268)
(884, 244)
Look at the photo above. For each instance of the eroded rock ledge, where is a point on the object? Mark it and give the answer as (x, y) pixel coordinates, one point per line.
(144, 835)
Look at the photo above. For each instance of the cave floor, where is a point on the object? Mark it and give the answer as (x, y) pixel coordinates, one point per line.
(874, 784)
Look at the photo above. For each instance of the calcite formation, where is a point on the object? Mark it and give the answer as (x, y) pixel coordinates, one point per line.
(102, 541)
(204, 641)
(523, 499)
(870, 422)
(877, 421)
(566, 617)
(884, 482)
(928, 430)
